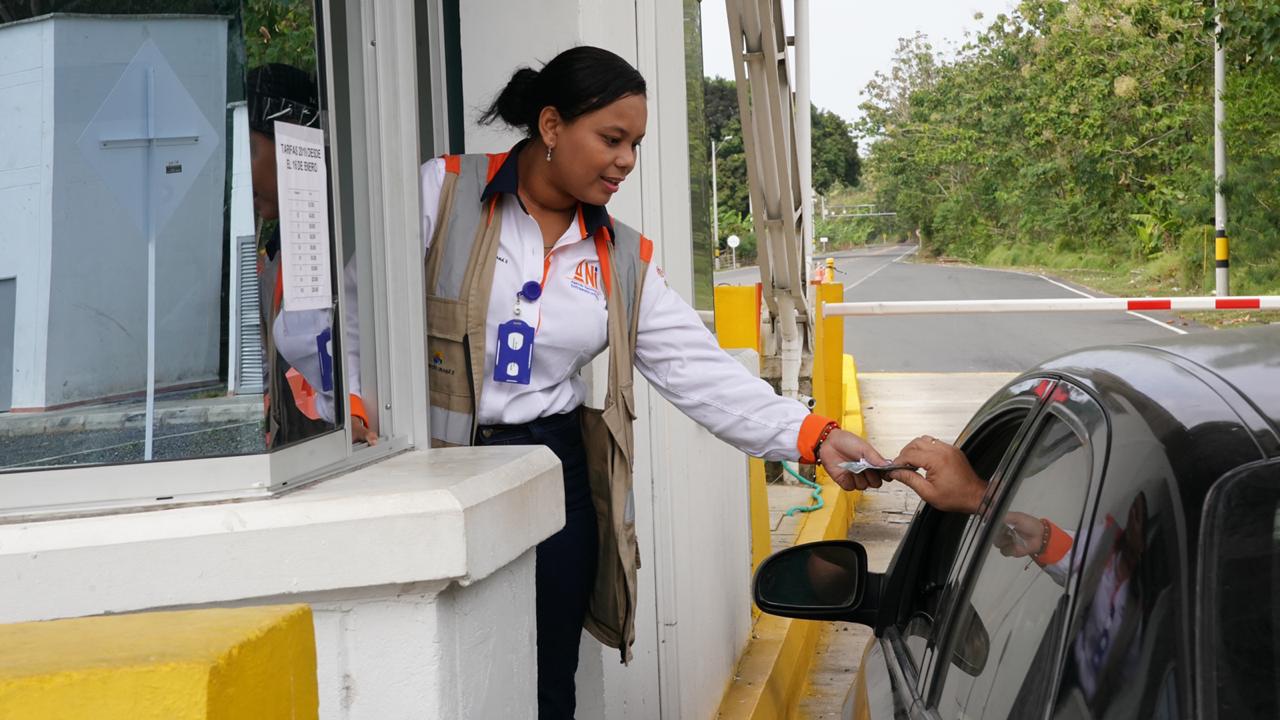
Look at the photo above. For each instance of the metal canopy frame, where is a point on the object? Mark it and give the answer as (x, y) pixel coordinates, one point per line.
(767, 110)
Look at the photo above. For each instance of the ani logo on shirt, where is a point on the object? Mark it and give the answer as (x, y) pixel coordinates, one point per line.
(586, 278)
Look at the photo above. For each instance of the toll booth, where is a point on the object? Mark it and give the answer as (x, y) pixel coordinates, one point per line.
(86, 127)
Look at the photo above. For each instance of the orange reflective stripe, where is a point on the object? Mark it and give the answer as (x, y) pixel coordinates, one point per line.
(602, 251)
(452, 164)
(277, 296)
(810, 430)
(357, 409)
(495, 162)
(646, 249)
(304, 396)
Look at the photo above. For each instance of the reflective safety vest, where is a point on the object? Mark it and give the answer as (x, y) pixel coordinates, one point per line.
(459, 280)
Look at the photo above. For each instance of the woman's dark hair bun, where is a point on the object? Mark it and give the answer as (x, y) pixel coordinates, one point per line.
(512, 104)
(578, 81)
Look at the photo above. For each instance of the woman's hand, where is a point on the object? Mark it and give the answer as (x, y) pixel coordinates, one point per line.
(843, 446)
(949, 482)
(1022, 535)
(362, 433)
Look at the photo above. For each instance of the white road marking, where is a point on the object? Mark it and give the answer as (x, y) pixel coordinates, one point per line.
(1164, 325)
(866, 277)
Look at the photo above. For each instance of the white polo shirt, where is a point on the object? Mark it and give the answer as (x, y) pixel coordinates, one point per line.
(674, 350)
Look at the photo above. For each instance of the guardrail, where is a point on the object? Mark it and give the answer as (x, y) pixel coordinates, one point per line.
(933, 307)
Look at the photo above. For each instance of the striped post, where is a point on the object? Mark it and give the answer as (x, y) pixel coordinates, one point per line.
(936, 307)
(1222, 260)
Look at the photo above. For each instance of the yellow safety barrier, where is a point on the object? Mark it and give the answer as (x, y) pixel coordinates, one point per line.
(738, 316)
(771, 673)
(828, 347)
(216, 664)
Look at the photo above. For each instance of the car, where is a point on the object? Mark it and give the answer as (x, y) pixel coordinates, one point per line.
(1126, 563)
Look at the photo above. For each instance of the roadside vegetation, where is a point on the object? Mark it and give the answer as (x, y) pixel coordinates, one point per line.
(1078, 137)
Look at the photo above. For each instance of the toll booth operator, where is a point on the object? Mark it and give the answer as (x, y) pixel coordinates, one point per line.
(528, 280)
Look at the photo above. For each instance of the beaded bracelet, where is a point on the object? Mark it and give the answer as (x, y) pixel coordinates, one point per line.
(1044, 540)
(822, 437)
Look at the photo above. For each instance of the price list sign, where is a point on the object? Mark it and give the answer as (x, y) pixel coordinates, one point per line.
(304, 217)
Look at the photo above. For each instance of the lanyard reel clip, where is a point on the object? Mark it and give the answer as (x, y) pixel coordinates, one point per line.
(514, 360)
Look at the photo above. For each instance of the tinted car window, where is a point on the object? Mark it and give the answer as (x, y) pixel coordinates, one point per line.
(1240, 635)
(1013, 608)
(917, 620)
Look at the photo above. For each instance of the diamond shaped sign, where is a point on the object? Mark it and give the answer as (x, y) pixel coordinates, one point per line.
(149, 140)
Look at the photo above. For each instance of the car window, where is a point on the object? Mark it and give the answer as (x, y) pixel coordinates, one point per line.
(1013, 605)
(917, 618)
(1239, 644)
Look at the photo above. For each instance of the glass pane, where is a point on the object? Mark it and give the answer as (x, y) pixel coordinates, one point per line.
(699, 154)
(146, 190)
(1002, 644)
(918, 617)
(1242, 581)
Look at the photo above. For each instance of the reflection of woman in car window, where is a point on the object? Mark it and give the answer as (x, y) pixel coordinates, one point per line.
(1106, 650)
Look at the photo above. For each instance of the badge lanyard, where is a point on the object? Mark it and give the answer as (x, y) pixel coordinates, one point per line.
(513, 362)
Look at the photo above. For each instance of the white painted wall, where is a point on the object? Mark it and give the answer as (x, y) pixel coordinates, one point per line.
(419, 570)
(82, 260)
(691, 489)
(26, 191)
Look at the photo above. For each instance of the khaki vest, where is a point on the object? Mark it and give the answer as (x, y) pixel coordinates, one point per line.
(459, 278)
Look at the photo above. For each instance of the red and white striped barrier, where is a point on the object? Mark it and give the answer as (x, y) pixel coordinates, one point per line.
(929, 307)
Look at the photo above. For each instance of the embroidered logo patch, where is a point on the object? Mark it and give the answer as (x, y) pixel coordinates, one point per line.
(586, 278)
(437, 363)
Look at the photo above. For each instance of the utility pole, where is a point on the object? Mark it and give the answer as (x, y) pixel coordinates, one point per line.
(1222, 285)
(715, 198)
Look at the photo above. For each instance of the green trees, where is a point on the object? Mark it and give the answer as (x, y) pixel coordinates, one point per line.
(835, 158)
(1081, 129)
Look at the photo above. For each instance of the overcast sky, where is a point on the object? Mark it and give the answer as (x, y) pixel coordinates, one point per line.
(852, 39)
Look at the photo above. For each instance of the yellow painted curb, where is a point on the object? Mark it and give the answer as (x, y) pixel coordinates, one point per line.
(772, 671)
(852, 420)
(215, 664)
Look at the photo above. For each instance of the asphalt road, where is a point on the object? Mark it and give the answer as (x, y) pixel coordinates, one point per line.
(1009, 342)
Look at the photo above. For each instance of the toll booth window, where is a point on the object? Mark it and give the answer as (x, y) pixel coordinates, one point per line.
(168, 277)
(1240, 625)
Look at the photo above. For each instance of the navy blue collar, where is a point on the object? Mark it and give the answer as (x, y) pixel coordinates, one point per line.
(506, 180)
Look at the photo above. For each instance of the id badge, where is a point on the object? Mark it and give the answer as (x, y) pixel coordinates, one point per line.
(324, 350)
(514, 360)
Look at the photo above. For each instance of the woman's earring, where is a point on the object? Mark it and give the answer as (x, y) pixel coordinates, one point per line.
(548, 153)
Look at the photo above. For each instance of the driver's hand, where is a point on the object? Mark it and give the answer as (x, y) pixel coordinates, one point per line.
(843, 446)
(948, 483)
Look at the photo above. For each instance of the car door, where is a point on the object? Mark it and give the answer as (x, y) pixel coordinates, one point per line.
(998, 650)
(888, 682)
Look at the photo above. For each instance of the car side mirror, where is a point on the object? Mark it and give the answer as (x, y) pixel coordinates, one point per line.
(826, 580)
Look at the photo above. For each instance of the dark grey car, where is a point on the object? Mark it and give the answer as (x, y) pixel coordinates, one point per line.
(1154, 470)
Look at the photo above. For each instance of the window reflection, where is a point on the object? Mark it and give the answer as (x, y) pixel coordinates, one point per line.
(136, 290)
(1004, 644)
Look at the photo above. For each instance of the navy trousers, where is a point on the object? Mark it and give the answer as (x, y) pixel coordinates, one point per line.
(566, 561)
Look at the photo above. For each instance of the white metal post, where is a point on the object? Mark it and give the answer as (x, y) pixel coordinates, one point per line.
(151, 273)
(804, 131)
(715, 206)
(1221, 245)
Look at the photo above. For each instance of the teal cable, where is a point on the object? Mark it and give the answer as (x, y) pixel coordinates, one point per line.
(818, 502)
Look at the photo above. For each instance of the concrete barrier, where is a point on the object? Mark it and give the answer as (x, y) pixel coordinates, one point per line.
(215, 664)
